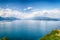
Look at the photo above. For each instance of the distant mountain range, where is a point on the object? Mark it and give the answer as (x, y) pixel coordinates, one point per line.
(45, 18)
(8, 18)
(33, 18)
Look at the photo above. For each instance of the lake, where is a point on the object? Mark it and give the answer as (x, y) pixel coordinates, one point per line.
(27, 29)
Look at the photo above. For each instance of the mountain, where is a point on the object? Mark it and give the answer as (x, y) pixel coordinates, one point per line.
(33, 18)
(45, 18)
(8, 18)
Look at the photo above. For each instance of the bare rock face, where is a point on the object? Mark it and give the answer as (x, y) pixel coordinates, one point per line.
(53, 35)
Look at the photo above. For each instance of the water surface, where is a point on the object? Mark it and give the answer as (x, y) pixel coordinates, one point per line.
(27, 29)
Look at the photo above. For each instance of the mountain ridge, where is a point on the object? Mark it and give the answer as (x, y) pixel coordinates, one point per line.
(8, 18)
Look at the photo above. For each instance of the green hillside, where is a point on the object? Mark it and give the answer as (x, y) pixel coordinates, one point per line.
(4, 38)
(53, 35)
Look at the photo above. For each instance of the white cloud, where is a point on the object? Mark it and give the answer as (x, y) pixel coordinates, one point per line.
(1, 12)
(49, 13)
(28, 8)
(15, 13)
(9, 13)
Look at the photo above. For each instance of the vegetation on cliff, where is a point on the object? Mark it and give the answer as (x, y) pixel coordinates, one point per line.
(53, 35)
(4, 38)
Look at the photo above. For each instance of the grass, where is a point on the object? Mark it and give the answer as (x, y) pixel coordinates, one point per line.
(4, 38)
(53, 35)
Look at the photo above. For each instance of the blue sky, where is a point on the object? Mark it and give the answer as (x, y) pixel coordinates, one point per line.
(36, 4)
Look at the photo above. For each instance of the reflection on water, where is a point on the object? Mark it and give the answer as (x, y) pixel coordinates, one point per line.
(27, 29)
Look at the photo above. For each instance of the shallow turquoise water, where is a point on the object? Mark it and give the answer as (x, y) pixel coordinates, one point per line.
(27, 29)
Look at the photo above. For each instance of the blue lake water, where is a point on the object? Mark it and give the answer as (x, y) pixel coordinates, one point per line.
(27, 29)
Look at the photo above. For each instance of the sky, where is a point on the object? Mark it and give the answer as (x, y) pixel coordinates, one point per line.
(30, 8)
(36, 4)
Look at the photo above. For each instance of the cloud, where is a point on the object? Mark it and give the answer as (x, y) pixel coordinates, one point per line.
(1, 12)
(5, 12)
(9, 13)
(47, 13)
(28, 8)
(55, 13)
(13, 13)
